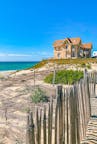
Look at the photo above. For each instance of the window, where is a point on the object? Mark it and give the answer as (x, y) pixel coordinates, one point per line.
(58, 55)
(73, 51)
(66, 46)
(57, 49)
(73, 54)
(73, 48)
(81, 52)
(86, 53)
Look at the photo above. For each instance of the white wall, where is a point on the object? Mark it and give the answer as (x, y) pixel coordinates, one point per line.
(94, 53)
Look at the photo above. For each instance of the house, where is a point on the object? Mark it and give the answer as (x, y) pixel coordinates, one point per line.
(71, 48)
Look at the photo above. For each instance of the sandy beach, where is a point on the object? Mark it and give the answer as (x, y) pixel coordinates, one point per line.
(6, 73)
(15, 91)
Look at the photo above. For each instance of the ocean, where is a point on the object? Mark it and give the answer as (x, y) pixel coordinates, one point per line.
(9, 66)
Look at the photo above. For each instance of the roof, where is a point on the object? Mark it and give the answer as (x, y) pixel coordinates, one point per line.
(87, 46)
(73, 41)
(58, 43)
(69, 40)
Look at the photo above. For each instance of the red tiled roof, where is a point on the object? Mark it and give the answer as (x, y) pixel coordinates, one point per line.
(74, 41)
(58, 43)
(86, 46)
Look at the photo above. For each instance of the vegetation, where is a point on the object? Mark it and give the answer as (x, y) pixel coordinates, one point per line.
(89, 66)
(38, 96)
(64, 77)
(66, 61)
(85, 65)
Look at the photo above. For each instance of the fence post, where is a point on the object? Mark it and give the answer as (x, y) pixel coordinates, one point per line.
(44, 127)
(60, 114)
(30, 130)
(27, 131)
(34, 78)
(77, 113)
(50, 116)
(54, 75)
(56, 115)
(72, 119)
(63, 116)
(38, 127)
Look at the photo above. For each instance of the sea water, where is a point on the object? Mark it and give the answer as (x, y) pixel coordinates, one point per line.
(9, 66)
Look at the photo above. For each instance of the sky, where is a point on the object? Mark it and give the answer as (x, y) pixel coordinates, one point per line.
(28, 28)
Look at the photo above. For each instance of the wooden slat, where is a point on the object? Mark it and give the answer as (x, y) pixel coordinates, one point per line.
(44, 127)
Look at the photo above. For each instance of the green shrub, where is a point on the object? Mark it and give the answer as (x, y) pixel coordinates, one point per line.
(64, 77)
(88, 66)
(83, 65)
(38, 96)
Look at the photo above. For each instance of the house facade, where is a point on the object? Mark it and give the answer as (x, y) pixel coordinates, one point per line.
(71, 48)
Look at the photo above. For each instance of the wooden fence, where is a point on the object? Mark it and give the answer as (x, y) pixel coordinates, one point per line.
(66, 118)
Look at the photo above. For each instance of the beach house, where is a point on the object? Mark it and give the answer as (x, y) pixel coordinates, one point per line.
(71, 48)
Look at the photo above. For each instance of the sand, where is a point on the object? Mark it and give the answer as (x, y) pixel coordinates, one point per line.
(15, 91)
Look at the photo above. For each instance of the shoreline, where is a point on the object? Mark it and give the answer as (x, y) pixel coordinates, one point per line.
(6, 73)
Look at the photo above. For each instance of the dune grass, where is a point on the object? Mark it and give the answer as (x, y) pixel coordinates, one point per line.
(81, 61)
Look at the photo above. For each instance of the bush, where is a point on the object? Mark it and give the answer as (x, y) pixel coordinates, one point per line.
(88, 66)
(83, 65)
(38, 96)
(65, 77)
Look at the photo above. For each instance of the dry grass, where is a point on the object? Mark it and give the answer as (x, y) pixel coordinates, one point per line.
(66, 61)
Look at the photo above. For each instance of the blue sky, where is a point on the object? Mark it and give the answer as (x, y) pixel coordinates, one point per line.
(29, 27)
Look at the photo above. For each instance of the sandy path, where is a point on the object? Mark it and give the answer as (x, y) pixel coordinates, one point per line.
(15, 92)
